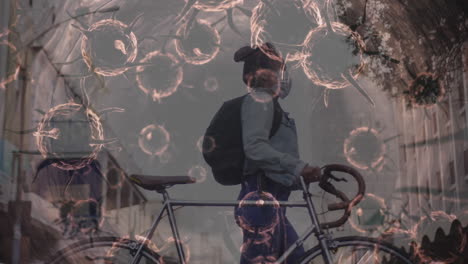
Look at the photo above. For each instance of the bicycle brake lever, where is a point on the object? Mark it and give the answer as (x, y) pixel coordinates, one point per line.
(337, 179)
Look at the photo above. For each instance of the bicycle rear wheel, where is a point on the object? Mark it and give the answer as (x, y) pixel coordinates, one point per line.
(358, 250)
(105, 250)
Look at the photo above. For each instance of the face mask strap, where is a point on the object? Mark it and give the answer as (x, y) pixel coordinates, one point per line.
(285, 84)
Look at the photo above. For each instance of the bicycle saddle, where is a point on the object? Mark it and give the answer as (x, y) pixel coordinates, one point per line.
(159, 182)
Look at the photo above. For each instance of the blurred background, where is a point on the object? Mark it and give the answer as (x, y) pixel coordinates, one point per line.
(92, 91)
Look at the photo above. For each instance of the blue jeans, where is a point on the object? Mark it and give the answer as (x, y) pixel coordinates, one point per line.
(267, 233)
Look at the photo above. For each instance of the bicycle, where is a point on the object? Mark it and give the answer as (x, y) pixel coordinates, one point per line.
(352, 249)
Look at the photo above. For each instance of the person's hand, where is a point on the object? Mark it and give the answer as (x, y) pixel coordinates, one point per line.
(311, 174)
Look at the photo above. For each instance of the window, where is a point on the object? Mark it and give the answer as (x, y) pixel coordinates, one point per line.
(428, 190)
(452, 173)
(424, 135)
(465, 161)
(428, 193)
(111, 199)
(125, 195)
(461, 93)
(439, 182)
(403, 152)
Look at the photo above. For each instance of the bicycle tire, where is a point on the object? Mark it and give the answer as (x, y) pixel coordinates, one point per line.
(71, 254)
(394, 255)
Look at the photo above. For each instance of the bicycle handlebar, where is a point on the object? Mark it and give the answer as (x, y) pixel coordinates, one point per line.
(346, 203)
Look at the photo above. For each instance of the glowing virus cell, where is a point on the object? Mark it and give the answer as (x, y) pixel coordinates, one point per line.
(71, 135)
(198, 42)
(425, 90)
(211, 84)
(216, 5)
(365, 149)
(333, 59)
(154, 140)
(254, 204)
(162, 77)
(109, 47)
(115, 178)
(206, 144)
(437, 220)
(213, 6)
(86, 216)
(284, 24)
(370, 215)
(198, 172)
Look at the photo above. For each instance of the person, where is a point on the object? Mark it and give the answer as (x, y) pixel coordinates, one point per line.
(272, 165)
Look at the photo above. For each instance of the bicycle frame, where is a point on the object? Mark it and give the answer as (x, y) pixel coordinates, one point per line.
(169, 203)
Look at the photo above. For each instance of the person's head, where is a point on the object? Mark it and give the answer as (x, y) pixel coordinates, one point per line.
(264, 68)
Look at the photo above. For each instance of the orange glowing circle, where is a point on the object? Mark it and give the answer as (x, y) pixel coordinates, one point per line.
(198, 45)
(270, 211)
(115, 178)
(211, 84)
(162, 78)
(198, 172)
(71, 135)
(107, 47)
(154, 140)
(206, 144)
(357, 214)
(284, 24)
(426, 226)
(364, 149)
(327, 55)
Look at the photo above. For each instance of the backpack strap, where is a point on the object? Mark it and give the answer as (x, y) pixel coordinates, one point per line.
(277, 117)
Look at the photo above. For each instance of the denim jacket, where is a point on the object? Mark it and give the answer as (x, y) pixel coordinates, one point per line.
(278, 156)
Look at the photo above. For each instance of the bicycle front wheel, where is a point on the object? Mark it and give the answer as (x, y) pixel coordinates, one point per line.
(105, 250)
(358, 250)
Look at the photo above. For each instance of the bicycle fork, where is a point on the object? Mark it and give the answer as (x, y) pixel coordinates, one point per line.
(321, 237)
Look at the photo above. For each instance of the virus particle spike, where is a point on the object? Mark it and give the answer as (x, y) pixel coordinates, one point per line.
(326, 96)
(358, 87)
(53, 133)
(111, 110)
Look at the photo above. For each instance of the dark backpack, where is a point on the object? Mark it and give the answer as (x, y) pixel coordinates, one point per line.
(222, 144)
